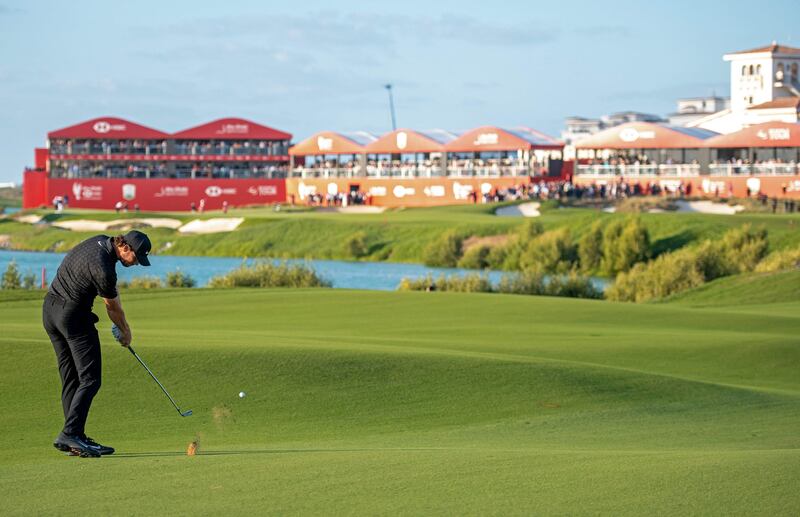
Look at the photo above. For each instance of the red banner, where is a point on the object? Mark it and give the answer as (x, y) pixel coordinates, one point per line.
(166, 194)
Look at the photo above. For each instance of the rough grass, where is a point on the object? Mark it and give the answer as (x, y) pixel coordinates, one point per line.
(414, 403)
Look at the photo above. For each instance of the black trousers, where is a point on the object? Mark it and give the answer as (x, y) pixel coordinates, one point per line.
(77, 346)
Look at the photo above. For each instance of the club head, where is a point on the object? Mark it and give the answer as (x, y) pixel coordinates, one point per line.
(187, 413)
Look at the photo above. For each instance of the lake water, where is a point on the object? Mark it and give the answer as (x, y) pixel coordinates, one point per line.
(381, 276)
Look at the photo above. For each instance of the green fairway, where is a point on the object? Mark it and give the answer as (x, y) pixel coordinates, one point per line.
(416, 403)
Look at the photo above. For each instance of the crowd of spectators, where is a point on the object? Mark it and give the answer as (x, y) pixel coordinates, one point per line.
(180, 147)
(339, 199)
(234, 170)
(382, 167)
(92, 169)
(146, 147)
(233, 147)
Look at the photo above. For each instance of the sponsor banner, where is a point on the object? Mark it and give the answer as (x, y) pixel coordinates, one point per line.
(716, 186)
(396, 192)
(170, 157)
(166, 194)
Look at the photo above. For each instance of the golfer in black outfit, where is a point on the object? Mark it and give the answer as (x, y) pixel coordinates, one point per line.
(86, 272)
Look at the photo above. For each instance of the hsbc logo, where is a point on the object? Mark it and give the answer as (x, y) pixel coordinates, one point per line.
(216, 191)
(630, 134)
(213, 191)
(486, 139)
(102, 127)
(401, 191)
(401, 139)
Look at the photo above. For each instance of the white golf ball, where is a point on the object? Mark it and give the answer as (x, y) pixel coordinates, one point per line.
(241, 394)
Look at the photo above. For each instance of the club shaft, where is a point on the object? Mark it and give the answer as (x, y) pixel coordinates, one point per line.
(155, 379)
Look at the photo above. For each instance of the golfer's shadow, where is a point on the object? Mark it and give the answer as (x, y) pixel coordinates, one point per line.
(167, 454)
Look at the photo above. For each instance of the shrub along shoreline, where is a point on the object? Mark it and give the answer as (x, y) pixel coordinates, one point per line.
(651, 256)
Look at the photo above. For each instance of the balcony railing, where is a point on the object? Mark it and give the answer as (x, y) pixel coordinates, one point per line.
(327, 172)
(412, 171)
(745, 169)
(404, 171)
(689, 170)
(618, 170)
(492, 171)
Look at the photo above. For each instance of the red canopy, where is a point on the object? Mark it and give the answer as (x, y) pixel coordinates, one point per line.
(647, 135)
(110, 128)
(768, 134)
(326, 142)
(491, 138)
(231, 129)
(404, 141)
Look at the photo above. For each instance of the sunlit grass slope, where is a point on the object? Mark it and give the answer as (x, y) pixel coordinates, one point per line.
(409, 403)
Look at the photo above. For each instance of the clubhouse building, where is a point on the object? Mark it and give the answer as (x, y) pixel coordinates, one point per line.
(751, 146)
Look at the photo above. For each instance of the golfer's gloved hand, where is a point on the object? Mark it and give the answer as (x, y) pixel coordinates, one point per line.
(123, 338)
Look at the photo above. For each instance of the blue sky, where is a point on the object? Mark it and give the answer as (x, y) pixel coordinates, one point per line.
(313, 65)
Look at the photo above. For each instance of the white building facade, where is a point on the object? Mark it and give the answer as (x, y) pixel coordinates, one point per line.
(765, 87)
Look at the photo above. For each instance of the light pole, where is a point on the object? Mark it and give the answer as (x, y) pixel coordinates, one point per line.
(391, 105)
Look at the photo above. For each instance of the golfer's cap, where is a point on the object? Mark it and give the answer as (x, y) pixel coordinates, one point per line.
(140, 244)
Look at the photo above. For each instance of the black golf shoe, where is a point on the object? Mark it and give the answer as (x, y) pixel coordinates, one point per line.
(76, 446)
(104, 450)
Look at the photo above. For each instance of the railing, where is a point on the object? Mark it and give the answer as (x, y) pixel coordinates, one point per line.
(681, 169)
(491, 171)
(617, 170)
(689, 170)
(177, 174)
(411, 171)
(229, 150)
(107, 150)
(404, 171)
(746, 169)
(327, 172)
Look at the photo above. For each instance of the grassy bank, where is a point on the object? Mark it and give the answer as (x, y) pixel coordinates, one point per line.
(397, 236)
(407, 403)
(10, 197)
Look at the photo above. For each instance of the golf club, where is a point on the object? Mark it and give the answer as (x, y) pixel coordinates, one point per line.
(182, 413)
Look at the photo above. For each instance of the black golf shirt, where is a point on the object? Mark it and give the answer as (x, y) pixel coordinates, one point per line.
(88, 270)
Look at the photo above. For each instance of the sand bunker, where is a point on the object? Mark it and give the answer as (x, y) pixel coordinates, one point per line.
(30, 218)
(89, 225)
(708, 207)
(213, 225)
(357, 209)
(524, 210)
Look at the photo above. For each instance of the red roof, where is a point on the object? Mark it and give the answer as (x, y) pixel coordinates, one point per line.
(774, 48)
(326, 142)
(110, 128)
(404, 141)
(646, 135)
(768, 134)
(782, 102)
(491, 138)
(231, 129)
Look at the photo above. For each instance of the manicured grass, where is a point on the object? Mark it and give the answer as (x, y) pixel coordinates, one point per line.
(414, 403)
(396, 236)
(746, 289)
